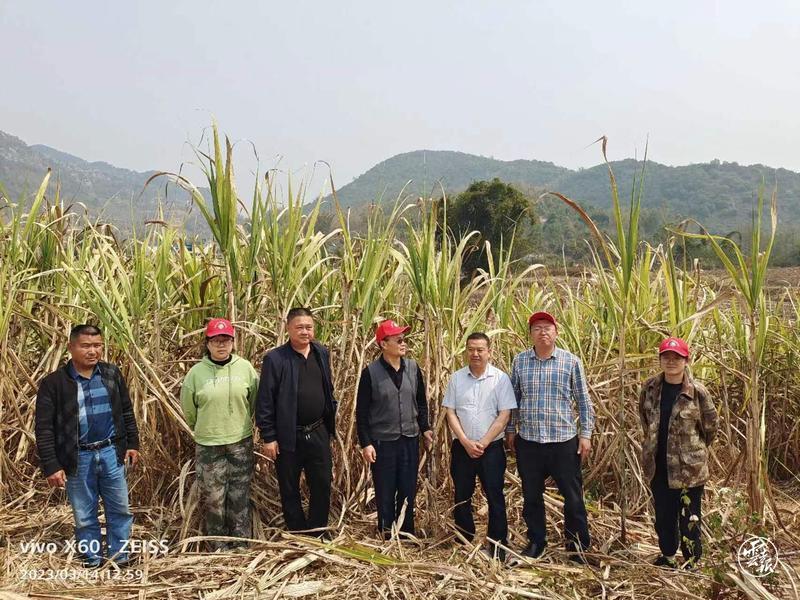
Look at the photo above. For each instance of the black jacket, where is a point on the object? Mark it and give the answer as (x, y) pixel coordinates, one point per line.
(276, 406)
(57, 418)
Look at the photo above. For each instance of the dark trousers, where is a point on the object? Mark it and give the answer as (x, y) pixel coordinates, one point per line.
(312, 454)
(394, 474)
(559, 460)
(673, 517)
(490, 468)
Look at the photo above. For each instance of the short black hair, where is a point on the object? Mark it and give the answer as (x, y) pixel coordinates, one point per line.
(83, 329)
(479, 335)
(298, 311)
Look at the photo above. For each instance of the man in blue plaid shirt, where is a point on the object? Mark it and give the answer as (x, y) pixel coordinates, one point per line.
(547, 382)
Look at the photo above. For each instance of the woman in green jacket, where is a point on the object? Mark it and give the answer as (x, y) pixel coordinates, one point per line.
(217, 398)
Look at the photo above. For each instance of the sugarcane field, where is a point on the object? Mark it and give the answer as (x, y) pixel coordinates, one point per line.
(153, 294)
(419, 301)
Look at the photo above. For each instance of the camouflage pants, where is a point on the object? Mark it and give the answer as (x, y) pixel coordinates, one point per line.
(223, 475)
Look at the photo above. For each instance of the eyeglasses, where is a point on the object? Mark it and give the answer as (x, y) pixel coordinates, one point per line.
(221, 340)
(541, 328)
(400, 341)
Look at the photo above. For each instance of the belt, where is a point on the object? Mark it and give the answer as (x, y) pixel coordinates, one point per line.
(311, 427)
(96, 445)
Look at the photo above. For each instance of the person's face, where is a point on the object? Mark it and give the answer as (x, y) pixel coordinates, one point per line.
(478, 354)
(673, 363)
(301, 331)
(543, 333)
(86, 350)
(394, 345)
(220, 347)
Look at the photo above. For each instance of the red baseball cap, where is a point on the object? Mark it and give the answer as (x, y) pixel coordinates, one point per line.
(676, 345)
(542, 316)
(217, 327)
(389, 328)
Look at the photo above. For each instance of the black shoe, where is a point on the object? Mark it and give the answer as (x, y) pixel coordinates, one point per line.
(575, 553)
(668, 563)
(533, 550)
(578, 557)
(122, 563)
(88, 563)
(690, 564)
(494, 553)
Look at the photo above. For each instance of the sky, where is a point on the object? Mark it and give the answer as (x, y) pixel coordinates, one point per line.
(353, 83)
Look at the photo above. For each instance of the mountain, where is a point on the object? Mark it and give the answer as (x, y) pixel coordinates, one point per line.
(718, 194)
(110, 193)
(455, 170)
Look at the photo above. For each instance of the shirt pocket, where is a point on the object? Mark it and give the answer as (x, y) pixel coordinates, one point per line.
(689, 427)
(560, 383)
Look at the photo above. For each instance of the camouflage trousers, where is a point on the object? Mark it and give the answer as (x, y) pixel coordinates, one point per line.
(223, 476)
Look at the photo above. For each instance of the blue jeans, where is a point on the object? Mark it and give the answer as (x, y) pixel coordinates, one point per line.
(100, 476)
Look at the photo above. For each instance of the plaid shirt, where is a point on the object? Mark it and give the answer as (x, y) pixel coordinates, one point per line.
(95, 420)
(545, 390)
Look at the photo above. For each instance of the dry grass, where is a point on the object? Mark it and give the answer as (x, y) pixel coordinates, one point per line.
(354, 564)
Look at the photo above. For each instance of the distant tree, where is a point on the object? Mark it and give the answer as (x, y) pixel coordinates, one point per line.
(494, 209)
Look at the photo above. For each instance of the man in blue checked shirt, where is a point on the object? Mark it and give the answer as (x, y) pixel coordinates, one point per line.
(85, 434)
(548, 382)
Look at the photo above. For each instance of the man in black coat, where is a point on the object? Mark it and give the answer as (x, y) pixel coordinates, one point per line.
(295, 413)
(85, 436)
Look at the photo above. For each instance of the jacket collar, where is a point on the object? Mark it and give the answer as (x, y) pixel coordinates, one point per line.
(70, 371)
(287, 347)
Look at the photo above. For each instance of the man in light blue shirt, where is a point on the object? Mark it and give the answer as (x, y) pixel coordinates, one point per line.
(478, 400)
(548, 381)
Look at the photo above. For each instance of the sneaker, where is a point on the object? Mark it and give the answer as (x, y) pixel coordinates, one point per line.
(667, 563)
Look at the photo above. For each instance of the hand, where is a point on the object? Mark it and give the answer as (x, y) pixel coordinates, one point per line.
(368, 452)
(584, 448)
(474, 449)
(57, 479)
(510, 442)
(427, 439)
(132, 458)
(270, 450)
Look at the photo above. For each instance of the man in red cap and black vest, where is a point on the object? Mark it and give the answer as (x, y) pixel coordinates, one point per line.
(391, 413)
(549, 383)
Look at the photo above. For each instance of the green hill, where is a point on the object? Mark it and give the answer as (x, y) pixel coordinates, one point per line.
(719, 194)
(426, 169)
(109, 193)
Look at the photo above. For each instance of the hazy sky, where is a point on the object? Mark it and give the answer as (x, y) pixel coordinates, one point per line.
(353, 83)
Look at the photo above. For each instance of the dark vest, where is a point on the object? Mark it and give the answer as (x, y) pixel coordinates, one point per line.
(393, 412)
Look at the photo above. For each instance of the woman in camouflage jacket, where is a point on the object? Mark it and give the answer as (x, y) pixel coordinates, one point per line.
(679, 421)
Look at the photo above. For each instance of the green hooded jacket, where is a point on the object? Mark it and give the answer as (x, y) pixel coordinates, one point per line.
(218, 401)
